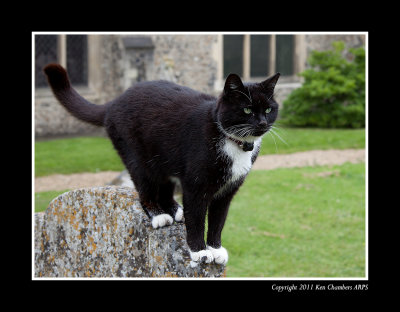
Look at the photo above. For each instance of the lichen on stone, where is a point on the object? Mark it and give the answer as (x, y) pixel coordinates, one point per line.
(103, 232)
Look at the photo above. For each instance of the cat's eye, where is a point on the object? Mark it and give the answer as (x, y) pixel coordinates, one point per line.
(268, 110)
(247, 110)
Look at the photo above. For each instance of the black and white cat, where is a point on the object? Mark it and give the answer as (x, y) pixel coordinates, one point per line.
(166, 134)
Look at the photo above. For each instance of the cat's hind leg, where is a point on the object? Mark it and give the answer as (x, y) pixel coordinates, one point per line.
(167, 202)
(147, 188)
(148, 194)
(148, 200)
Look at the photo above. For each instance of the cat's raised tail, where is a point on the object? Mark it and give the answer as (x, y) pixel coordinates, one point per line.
(79, 107)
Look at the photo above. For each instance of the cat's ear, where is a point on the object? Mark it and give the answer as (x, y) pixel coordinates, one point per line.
(233, 83)
(270, 83)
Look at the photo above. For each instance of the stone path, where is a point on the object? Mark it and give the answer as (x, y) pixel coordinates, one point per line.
(59, 182)
(310, 158)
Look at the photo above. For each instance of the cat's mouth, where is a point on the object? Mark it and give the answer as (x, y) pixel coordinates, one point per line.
(260, 132)
(244, 132)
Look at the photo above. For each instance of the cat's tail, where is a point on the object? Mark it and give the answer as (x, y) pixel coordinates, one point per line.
(70, 99)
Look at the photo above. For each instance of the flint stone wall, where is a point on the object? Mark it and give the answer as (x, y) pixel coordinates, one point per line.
(103, 232)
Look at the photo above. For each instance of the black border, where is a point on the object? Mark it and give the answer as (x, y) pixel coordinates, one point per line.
(254, 285)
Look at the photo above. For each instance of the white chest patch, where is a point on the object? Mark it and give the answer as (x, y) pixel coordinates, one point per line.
(241, 161)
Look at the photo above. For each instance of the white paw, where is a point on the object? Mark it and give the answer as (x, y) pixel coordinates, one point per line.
(161, 220)
(220, 255)
(199, 255)
(179, 214)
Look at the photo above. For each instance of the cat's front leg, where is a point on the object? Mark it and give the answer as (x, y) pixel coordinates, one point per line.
(220, 254)
(217, 213)
(195, 208)
(205, 256)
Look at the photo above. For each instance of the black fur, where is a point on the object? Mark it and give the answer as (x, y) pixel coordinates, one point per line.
(163, 130)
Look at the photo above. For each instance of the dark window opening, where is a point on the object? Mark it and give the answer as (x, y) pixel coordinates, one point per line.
(47, 51)
(259, 55)
(284, 55)
(77, 59)
(233, 55)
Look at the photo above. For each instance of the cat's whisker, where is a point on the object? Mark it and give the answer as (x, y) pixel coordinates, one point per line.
(239, 126)
(238, 132)
(272, 96)
(244, 95)
(272, 131)
(241, 130)
(249, 131)
(251, 100)
(244, 132)
(272, 136)
(276, 128)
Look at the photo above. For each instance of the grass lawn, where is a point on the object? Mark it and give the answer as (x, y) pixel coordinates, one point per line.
(43, 199)
(304, 139)
(83, 154)
(302, 222)
(94, 154)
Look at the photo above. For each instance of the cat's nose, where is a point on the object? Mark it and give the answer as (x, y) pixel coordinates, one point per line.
(263, 124)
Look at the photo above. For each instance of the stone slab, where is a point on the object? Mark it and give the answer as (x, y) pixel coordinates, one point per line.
(103, 232)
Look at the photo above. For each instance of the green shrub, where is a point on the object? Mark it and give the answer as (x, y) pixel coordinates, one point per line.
(333, 92)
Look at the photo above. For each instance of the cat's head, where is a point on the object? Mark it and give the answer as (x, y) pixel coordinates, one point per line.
(247, 111)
